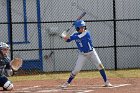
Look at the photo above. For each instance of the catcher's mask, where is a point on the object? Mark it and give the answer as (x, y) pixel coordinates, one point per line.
(4, 48)
(78, 24)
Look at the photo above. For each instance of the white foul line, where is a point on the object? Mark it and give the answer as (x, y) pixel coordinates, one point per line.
(121, 85)
(86, 91)
(26, 88)
(59, 90)
(76, 90)
(99, 86)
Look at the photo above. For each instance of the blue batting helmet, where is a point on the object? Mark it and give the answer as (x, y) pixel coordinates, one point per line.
(79, 23)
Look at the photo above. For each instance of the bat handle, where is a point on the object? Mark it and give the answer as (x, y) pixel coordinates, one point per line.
(76, 20)
(67, 30)
(80, 17)
(70, 28)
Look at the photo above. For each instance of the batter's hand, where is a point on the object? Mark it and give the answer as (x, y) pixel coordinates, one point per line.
(66, 37)
(64, 34)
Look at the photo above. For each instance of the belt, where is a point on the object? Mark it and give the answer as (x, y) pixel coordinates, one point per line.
(87, 51)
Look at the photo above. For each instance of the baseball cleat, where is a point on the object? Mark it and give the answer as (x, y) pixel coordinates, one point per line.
(108, 84)
(65, 85)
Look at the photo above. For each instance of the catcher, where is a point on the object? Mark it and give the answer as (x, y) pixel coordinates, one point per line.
(8, 67)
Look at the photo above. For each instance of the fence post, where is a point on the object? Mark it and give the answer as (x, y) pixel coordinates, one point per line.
(10, 27)
(115, 43)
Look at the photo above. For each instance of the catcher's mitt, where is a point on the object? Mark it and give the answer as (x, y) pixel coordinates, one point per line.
(16, 63)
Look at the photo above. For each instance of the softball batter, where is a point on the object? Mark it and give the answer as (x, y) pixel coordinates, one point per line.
(85, 46)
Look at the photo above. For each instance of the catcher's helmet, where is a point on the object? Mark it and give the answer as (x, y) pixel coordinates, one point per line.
(8, 86)
(79, 23)
(3, 45)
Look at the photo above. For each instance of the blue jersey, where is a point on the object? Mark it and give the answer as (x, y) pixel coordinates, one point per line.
(83, 41)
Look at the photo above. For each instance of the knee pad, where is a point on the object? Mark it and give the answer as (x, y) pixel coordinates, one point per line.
(9, 72)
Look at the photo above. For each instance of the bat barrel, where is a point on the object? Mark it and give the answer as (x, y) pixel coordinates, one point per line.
(81, 15)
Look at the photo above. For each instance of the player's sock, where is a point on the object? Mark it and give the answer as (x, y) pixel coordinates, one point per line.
(102, 72)
(71, 78)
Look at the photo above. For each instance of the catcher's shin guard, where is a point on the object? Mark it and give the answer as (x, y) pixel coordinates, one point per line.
(9, 72)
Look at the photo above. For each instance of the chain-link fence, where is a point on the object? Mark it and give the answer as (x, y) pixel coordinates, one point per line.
(32, 27)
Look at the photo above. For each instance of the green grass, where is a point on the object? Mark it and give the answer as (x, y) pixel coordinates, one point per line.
(133, 73)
